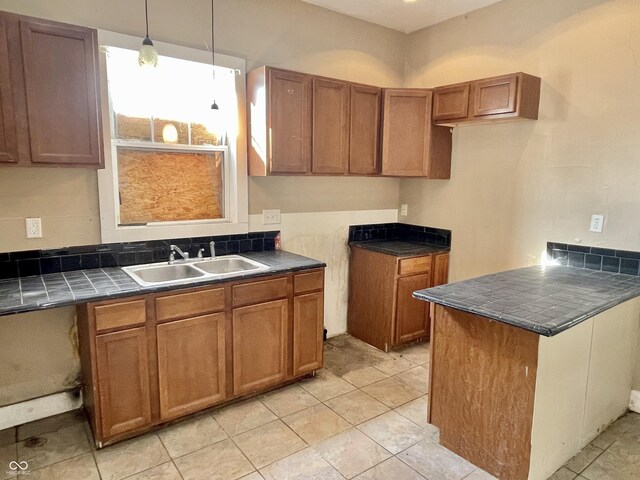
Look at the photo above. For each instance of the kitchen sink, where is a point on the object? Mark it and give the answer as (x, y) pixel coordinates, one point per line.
(192, 271)
(228, 265)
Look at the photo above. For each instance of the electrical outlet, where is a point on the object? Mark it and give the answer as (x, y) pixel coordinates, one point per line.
(404, 210)
(34, 227)
(597, 222)
(270, 217)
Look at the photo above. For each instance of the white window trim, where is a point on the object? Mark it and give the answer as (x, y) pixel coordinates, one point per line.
(238, 221)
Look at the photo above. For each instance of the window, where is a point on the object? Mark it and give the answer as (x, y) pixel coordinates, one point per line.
(176, 167)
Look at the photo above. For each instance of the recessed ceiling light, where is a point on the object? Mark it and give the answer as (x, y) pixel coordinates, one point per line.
(409, 1)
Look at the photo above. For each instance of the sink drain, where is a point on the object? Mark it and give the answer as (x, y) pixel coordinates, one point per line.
(34, 442)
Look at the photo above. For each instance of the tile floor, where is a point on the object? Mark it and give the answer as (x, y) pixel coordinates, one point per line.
(362, 417)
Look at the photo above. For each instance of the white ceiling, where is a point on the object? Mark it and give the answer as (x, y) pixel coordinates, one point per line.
(406, 16)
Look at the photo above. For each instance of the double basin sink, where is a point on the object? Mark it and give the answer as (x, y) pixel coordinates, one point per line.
(155, 274)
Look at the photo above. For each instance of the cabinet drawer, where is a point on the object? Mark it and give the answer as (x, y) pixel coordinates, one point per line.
(189, 304)
(308, 282)
(120, 315)
(257, 292)
(415, 265)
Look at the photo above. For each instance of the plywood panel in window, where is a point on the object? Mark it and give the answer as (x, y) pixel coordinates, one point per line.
(160, 186)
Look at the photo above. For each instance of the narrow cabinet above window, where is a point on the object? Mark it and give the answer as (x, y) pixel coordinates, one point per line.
(411, 145)
(279, 115)
(507, 97)
(49, 80)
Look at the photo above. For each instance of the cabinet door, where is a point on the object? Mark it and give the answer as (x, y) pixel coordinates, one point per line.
(412, 317)
(60, 69)
(364, 145)
(495, 95)
(191, 364)
(441, 269)
(123, 378)
(260, 334)
(330, 126)
(8, 137)
(406, 132)
(308, 321)
(451, 103)
(289, 122)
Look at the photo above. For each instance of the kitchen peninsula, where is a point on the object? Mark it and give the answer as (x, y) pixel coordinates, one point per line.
(530, 365)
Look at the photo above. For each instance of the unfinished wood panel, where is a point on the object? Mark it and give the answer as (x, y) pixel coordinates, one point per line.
(495, 95)
(412, 315)
(482, 390)
(409, 266)
(330, 144)
(451, 102)
(308, 321)
(289, 122)
(364, 134)
(191, 364)
(8, 134)
(260, 343)
(123, 377)
(256, 292)
(308, 282)
(440, 269)
(181, 305)
(411, 146)
(60, 65)
(161, 186)
(120, 314)
(372, 297)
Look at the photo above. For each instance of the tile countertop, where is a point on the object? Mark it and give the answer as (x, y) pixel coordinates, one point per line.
(545, 300)
(400, 248)
(39, 292)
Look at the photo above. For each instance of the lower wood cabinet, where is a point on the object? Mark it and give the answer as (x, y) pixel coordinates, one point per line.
(122, 363)
(260, 334)
(382, 310)
(151, 359)
(191, 364)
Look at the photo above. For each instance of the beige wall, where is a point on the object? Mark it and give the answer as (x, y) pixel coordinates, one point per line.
(285, 33)
(516, 186)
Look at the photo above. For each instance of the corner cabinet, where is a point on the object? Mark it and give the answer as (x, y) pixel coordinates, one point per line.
(151, 359)
(49, 94)
(411, 145)
(506, 97)
(381, 308)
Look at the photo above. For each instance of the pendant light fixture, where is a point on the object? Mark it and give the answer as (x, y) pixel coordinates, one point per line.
(148, 56)
(214, 105)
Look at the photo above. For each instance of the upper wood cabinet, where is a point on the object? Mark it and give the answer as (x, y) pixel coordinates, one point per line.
(364, 133)
(8, 136)
(411, 145)
(330, 137)
(52, 74)
(507, 97)
(279, 115)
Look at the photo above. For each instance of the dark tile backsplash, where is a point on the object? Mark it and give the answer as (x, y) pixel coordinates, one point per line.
(595, 258)
(400, 231)
(36, 262)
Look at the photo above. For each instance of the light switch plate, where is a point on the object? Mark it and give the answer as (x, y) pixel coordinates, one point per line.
(597, 222)
(34, 227)
(270, 217)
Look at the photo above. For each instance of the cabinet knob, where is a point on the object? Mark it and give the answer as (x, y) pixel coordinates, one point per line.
(291, 91)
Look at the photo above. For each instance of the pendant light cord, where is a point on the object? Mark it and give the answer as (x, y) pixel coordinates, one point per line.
(146, 17)
(213, 39)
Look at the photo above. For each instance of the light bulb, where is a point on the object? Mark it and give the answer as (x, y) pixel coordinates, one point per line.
(170, 133)
(148, 56)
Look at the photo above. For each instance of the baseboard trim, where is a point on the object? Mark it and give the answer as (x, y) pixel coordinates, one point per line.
(634, 403)
(38, 408)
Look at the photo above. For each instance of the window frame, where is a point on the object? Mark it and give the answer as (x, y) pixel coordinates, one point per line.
(236, 181)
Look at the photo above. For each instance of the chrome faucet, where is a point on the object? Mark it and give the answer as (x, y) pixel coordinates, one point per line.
(172, 255)
(212, 247)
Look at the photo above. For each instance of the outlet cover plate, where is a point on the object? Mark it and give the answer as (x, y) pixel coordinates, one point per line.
(33, 227)
(404, 210)
(597, 222)
(270, 217)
